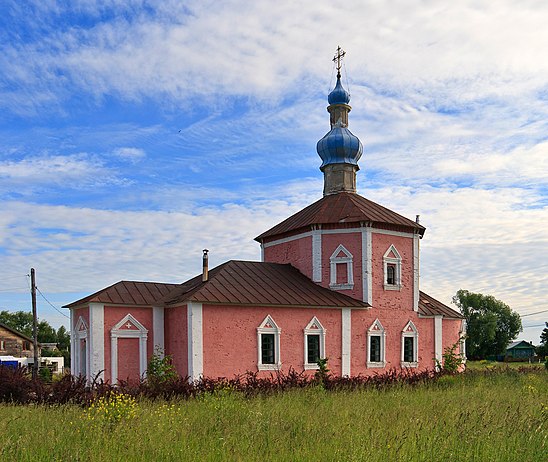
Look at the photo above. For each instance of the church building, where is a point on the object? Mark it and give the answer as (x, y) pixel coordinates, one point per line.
(337, 280)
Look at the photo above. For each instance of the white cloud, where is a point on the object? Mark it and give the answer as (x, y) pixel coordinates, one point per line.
(130, 154)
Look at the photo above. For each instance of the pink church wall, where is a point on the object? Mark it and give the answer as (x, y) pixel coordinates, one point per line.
(353, 243)
(128, 359)
(80, 312)
(176, 337)
(451, 333)
(230, 337)
(399, 300)
(297, 252)
(113, 315)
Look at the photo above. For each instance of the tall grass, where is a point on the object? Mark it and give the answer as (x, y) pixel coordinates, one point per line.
(483, 416)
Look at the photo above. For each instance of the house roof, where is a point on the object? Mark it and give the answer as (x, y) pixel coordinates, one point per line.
(429, 306)
(259, 283)
(127, 293)
(16, 332)
(518, 343)
(341, 208)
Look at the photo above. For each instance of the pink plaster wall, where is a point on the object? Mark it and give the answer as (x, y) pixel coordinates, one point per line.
(113, 315)
(401, 300)
(80, 312)
(297, 252)
(176, 337)
(230, 337)
(353, 243)
(128, 360)
(451, 333)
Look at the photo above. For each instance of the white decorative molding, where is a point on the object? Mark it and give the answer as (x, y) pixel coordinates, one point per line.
(367, 273)
(314, 327)
(158, 330)
(334, 260)
(410, 331)
(462, 340)
(416, 272)
(195, 341)
(81, 365)
(72, 343)
(394, 262)
(317, 255)
(346, 325)
(438, 338)
(269, 326)
(96, 340)
(117, 332)
(283, 240)
(262, 252)
(376, 329)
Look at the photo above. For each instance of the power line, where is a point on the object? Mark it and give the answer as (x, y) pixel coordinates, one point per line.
(51, 304)
(13, 288)
(531, 314)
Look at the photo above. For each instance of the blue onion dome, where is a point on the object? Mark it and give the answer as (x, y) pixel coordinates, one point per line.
(339, 146)
(339, 95)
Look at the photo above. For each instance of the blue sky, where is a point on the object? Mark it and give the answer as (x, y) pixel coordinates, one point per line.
(134, 134)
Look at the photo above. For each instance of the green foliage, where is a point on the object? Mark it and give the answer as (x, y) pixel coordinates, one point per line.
(491, 324)
(45, 374)
(21, 321)
(160, 369)
(542, 349)
(480, 416)
(322, 374)
(451, 360)
(111, 409)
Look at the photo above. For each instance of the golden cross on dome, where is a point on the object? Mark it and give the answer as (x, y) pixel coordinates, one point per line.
(338, 58)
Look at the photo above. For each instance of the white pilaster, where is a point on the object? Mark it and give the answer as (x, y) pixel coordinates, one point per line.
(262, 252)
(158, 329)
(346, 339)
(367, 277)
(317, 255)
(438, 338)
(72, 343)
(416, 272)
(96, 339)
(195, 341)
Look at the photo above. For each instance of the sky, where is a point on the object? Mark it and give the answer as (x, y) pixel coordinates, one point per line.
(134, 134)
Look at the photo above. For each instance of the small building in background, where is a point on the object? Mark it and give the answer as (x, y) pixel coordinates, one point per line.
(14, 343)
(520, 349)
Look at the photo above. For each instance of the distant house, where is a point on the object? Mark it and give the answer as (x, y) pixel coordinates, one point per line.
(14, 343)
(520, 349)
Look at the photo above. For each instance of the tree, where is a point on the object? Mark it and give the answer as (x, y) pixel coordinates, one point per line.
(491, 324)
(542, 349)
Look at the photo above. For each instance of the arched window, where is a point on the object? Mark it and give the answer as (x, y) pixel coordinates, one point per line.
(268, 345)
(392, 269)
(342, 274)
(314, 344)
(409, 345)
(376, 341)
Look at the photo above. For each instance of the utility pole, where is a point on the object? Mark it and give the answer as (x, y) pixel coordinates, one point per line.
(34, 323)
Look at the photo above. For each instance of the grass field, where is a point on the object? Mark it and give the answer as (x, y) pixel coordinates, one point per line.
(494, 416)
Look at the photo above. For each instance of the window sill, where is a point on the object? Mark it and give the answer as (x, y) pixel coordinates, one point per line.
(341, 286)
(376, 365)
(269, 367)
(392, 287)
(413, 364)
(311, 367)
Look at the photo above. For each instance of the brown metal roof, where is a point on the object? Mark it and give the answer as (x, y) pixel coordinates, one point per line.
(429, 306)
(258, 283)
(341, 208)
(16, 332)
(128, 293)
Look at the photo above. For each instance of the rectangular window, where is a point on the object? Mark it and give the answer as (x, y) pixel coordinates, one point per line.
(2, 345)
(267, 349)
(26, 345)
(391, 274)
(408, 349)
(313, 348)
(375, 349)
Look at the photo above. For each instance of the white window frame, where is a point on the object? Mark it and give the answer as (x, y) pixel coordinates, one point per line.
(269, 326)
(396, 262)
(117, 332)
(376, 330)
(334, 260)
(314, 327)
(81, 329)
(2, 344)
(410, 331)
